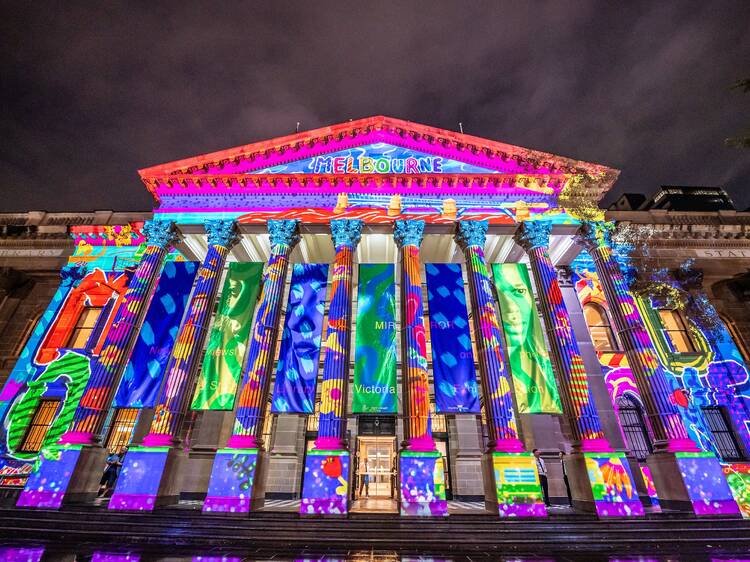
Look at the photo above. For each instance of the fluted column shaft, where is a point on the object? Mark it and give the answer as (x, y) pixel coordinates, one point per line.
(656, 393)
(496, 385)
(332, 423)
(577, 400)
(248, 421)
(107, 368)
(173, 396)
(415, 383)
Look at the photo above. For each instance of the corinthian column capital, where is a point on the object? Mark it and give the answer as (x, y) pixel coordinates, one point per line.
(533, 234)
(595, 234)
(346, 232)
(471, 233)
(283, 232)
(408, 233)
(221, 232)
(160, 233)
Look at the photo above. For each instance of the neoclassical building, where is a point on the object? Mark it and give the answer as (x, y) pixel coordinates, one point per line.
(378, 316)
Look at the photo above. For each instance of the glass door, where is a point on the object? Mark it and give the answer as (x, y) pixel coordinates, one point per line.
(376, 467)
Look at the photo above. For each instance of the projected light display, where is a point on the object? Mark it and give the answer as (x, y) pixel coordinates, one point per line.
(232, 477)
(402, 186)
(325, 487)
(517, 487)
(422, 484)
(138, 483)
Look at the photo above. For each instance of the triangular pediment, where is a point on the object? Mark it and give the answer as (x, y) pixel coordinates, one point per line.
(382, 149)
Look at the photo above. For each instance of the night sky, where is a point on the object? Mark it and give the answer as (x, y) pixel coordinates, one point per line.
(91, 92)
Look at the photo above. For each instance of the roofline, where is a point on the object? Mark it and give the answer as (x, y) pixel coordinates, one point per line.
(378, 122)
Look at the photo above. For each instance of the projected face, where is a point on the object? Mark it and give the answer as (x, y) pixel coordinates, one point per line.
(521, 305)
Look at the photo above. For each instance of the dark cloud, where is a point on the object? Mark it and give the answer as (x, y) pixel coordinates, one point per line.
(93, 91)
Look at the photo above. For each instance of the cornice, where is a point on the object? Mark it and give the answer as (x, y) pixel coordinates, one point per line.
(432, 184)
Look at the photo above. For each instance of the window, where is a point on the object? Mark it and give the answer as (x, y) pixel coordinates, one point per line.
(40, 424)
(439, 422)
(676, 330)
(634, 427)
(122, 429)
(726, 443)
(84, 327)
(598, 322)
(26, 334)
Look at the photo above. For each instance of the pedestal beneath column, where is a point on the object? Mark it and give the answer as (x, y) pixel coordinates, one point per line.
(612, 485)
(422, 479)
(692, 481)
(72, 475)
(149, 478)
(234, 478)
(325, 487)
(516, 490)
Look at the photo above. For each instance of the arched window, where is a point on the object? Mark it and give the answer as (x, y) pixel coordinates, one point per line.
(634, 427)
(676, 330)
(599, 327)
(737, 338)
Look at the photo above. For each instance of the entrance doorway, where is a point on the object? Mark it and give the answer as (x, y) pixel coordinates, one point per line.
(376, 457)
(377, 467)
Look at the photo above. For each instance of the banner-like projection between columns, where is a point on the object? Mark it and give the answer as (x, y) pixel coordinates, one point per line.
(227, 344)
(456, 389)
(143, 374)
(530, 366)
(375, 355)
(297, 370)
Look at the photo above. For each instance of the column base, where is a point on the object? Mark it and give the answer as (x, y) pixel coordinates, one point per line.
(72, 476)
(604, 484)
(150, 477)
(422, 480)
(325, 486)
(512, 485)
(235, 485)
(693, 482)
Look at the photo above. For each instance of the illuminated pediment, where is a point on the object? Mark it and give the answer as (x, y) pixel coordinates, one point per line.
(375, 164)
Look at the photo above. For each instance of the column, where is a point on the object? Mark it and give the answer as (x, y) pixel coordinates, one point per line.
(592, 456)
(505, 452)
(683, 476)
(325, 480)
(420, 465)
(150, 475)
(235, 471)
(79, 462)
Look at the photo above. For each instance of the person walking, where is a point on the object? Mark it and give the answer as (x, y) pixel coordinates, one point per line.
(541, 468)
(364, 479)
(565, 478)
(107, 483)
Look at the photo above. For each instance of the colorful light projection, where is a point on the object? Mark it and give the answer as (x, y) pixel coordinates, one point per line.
(47, 486)
(21, 553)
(697, 380)
(375, 353)
(230, 488)
(704, 480)
(325, 488)
(142, 378)
(104, 556)
(528, 357)
(299, 357)
(614, 491)
(422, 484)
(455, 382)
(738, 478)
(138, 483)
(225, 352)
(517, 487)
